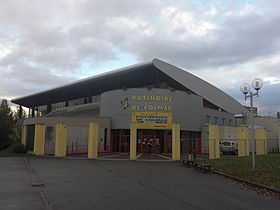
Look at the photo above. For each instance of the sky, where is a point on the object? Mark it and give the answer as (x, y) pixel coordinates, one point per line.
(44, 44)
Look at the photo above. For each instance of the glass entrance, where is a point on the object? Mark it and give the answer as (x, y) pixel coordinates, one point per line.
(151, 141)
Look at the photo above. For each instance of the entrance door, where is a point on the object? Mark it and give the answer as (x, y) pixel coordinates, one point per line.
(49, 140)
(30, 137)
(124, 143)
(77, 141)
(120, 140)
(150, 141)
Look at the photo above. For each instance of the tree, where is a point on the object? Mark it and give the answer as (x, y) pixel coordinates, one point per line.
(6, 124)
(19, 114)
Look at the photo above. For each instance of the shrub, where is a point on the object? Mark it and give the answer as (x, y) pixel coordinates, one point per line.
(19, 148)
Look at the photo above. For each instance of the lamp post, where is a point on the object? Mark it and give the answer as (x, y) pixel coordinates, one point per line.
(246, 90)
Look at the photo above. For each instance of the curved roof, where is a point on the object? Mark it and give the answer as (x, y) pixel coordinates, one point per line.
(135, 76)
(200, 87)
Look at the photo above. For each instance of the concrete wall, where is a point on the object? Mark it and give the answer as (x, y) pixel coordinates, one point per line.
(69, 121)
(187, 109)
(77, 130)
(272, 126)
(219, 115)
(228, 133)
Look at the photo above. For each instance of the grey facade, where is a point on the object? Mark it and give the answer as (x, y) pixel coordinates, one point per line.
(187, 108)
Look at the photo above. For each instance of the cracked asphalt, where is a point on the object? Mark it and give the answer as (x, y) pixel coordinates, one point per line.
(126, 185)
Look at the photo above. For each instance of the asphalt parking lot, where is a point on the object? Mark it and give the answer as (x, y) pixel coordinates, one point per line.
(89, 184)
(104, 184)
(15, 187)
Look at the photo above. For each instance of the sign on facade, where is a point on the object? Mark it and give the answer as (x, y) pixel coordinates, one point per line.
(153, 119)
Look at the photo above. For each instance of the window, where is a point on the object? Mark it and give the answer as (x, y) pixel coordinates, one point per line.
(76, 102)
(95, 99)
(58, 105)
(208, 118)
(42, 108)
(216, 120)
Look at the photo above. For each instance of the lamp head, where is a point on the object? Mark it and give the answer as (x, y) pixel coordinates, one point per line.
(245, 88)
(257, 84)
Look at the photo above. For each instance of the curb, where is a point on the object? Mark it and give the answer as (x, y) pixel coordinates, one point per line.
(254, 184)
(105, 158)
(155, 160)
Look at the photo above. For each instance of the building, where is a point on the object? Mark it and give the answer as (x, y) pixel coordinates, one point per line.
(146, 108)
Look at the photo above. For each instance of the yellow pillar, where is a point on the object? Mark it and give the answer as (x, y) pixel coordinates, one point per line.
(261, 141)
(39, 139)
(176, 142)
(93, 137)
(243, 141)
(133, 135)
(23, 134)
(60, 140)
(214, 141)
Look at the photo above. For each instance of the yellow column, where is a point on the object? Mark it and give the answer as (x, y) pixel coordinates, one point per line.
(261, 140)
(176, 142)
(60, 140)
(133, 135)
(214, 141)
(93, 137)
(243, 141)
(23, 134)
(39, 139)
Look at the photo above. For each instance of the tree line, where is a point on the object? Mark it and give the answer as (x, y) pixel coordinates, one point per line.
(10, 124)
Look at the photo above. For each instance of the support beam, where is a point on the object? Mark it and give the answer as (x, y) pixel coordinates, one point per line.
(23, 134)
(243, 141)
(93, 137)
(176, 142)
(261, 141)
(39, 139)
(133, 135)
(33, 112)
(60, 140)
(213, 141)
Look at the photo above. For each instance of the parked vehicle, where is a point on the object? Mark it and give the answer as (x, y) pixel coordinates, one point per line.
(228, 147)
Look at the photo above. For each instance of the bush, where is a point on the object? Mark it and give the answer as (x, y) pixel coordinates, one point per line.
(19, 148)
(4, 146)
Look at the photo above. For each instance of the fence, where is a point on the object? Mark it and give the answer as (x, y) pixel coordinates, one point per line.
(229, 142)
(77, 148)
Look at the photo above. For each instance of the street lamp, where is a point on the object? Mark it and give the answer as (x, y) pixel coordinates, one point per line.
(257, 84)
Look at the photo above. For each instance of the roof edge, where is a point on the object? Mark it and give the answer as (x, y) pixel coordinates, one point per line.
(167, 69)
(115, 71)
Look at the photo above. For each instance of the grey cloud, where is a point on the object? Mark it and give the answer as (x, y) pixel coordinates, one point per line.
(49, 41)
(238, 40)
(21, 79)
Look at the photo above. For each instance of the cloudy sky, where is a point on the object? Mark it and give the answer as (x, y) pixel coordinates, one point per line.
(44, 44)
